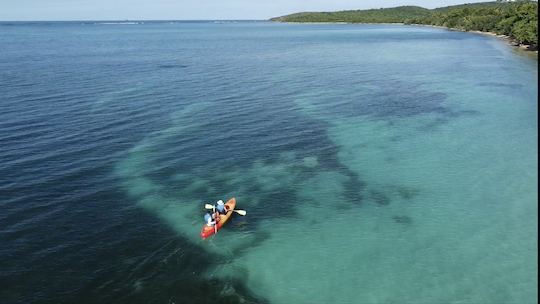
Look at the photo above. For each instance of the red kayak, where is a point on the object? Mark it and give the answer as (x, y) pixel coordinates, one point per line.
(209, 230)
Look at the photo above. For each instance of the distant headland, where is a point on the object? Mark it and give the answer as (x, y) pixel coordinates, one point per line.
(516, 21)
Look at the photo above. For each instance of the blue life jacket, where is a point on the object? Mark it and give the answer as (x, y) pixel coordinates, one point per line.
(221, 208)
(207, 218)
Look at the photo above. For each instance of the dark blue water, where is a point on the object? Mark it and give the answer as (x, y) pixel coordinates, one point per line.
(113, 136)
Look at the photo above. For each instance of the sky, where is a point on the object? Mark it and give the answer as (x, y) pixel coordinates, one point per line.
(38, 10)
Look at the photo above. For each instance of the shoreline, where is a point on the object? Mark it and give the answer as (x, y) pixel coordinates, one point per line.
(509, 40)
(322, 22)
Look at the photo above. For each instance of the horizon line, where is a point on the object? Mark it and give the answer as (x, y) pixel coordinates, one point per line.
(134, 20)
(267, 19)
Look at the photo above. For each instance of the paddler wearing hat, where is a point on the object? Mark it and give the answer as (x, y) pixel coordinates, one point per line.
(220, 207)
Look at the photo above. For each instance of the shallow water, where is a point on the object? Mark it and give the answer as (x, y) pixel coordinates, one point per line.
(377, 164)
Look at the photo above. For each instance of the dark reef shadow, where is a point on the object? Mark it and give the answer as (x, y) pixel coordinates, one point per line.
(402, 219)
(407, 192)
(259, 238)
(172, 66)
(380, 198)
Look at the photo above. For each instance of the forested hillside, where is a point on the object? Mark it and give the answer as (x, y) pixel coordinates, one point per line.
(518, 19)
(383, 15)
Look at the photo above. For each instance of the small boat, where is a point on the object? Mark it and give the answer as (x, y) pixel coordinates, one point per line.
(209, 230)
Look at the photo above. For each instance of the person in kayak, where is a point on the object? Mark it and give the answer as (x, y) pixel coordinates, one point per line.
(221, 208)
(209, 218)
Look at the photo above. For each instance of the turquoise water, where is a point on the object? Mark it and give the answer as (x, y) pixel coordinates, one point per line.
(376, 163)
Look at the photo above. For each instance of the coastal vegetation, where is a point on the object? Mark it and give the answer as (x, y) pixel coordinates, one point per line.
(383, 15)
(516, 19)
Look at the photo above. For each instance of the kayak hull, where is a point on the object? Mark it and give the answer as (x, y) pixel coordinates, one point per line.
(210, 230)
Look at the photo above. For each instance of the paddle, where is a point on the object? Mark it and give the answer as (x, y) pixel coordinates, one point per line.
(215, 220)
(241, 212)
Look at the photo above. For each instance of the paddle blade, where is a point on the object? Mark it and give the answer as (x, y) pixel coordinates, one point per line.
(208, 206)
(241, 212)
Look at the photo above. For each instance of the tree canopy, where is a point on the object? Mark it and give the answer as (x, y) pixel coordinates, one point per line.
(516, 19)
(383, 15)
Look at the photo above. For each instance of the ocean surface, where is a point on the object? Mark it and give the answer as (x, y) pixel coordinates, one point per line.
(376, 163)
